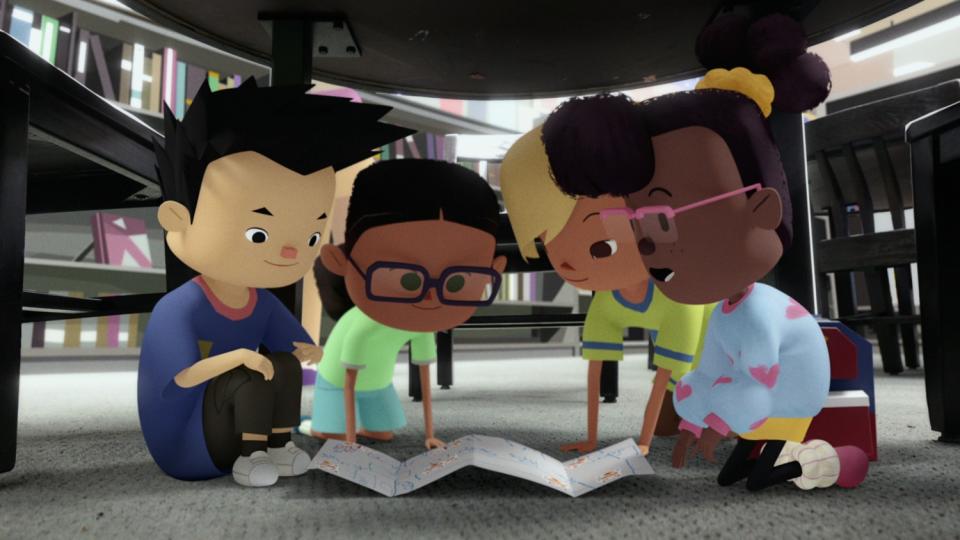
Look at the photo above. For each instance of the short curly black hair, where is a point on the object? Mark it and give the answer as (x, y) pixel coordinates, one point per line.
(602, 144)
(303, 132)
(597, 145)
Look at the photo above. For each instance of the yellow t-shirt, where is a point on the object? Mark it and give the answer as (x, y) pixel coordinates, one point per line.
(677, 329)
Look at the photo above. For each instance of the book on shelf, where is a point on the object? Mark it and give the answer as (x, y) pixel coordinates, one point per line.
(195, 77)
(138, 77)
(21, 24)
(181, 89)
(49, 36)
(126, 71)
(67, 43)
(120, 240)
(103, 83)
(154, 86)
(132, 74)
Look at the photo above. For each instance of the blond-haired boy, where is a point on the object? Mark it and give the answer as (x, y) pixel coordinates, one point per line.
(589, 257)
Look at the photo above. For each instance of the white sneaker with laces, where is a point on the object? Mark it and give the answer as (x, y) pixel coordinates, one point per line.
(817, 458)
(290, 460)
(255, 470)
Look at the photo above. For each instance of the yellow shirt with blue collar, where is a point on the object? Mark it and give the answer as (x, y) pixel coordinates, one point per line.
(677, 329)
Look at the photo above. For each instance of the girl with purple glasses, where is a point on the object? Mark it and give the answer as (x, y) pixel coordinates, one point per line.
(418, 258)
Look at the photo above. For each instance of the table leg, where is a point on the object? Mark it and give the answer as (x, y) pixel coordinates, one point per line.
(794, 274)
(935, 191)
(445, 360)
(413, 378)
(609, 381)
(14, 115)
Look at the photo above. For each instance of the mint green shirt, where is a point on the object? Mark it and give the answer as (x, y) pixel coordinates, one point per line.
(361, 343)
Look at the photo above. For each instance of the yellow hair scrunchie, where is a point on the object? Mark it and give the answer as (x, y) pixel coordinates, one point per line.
(755, 86)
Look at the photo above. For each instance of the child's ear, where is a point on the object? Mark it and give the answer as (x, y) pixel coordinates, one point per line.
(173, 216)
(499, 263)
(766, 209)
(333, 259)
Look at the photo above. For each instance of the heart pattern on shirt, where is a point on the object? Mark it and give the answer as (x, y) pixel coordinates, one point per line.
(683, 391)
(766, 375)
(795, 310)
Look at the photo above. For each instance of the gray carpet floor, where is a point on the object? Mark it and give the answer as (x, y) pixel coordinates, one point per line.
(83, 472)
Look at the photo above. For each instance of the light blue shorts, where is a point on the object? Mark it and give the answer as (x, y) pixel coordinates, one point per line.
(377, 410)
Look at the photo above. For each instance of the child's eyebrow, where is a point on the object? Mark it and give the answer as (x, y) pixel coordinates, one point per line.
(263, 210)
(590, 215)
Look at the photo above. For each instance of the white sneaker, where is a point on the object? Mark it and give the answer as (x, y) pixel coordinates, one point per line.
(818, 460)
(290, 460)
(255, 470)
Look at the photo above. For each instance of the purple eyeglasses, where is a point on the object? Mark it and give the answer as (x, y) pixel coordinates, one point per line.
(409, 283)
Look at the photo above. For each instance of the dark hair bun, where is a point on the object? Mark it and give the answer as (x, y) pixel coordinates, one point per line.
(774, 41)
(598, 145)
(723, 43)
(801, 85)
(775, 46)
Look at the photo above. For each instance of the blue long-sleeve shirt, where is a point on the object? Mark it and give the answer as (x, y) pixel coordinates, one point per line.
(187, 325)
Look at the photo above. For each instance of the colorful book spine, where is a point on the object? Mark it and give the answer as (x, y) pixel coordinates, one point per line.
(100, 61)
(195, 77)
(155, 83)
(21, 23)
(49, 35)
(133, 330)
(181, 89)
(67, 43)
(126, 73)
(412, 145)
(137, 76)
(37, 334)
(71, 327)
(213, 80)
(120, 240)
(80, 66)
(169, 84)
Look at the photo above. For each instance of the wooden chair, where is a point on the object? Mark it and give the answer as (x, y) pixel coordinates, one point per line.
(859, 165)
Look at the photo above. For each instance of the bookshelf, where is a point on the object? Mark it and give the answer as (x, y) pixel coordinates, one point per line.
(138, 66)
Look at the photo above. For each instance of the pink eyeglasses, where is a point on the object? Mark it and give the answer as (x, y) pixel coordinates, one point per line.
(657, 222)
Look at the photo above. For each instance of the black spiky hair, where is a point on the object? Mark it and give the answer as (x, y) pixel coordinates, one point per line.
(303, 132)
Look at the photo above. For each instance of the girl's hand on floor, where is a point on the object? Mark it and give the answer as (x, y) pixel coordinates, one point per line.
(433, 442)
(684, 441)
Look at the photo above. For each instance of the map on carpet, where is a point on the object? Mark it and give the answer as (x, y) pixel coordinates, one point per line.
(383, 474)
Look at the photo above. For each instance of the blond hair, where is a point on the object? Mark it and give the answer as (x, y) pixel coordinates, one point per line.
(535, 205)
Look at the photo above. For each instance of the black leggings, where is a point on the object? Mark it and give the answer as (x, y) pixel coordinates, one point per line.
(760, 473)
(242, 401)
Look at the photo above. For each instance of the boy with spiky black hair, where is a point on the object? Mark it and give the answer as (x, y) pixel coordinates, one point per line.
(248, 180)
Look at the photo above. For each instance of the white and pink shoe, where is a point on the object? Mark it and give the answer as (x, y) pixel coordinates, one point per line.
(823, 465)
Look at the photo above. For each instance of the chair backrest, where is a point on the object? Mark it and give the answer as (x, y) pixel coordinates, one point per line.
(858, 157)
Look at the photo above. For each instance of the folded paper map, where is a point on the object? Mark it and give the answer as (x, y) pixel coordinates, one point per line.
(383, 474)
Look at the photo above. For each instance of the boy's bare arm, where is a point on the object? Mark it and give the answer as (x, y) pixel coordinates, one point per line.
(659, 390)
(431, 441)
(593, 410)
(208, 368)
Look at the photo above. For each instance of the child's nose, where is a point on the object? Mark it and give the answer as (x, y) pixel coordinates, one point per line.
(566, 266)
(288, 252)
